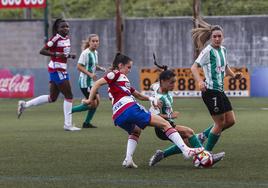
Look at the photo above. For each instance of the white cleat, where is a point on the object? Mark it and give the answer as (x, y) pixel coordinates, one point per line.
(158, 156)
(192, 152)
(73, 128)
(129, 164)
(21, 108)
(217, 157)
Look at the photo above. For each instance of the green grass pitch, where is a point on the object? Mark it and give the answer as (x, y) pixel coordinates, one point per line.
(36, 152)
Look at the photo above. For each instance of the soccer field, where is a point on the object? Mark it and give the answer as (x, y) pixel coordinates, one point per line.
(36, 152)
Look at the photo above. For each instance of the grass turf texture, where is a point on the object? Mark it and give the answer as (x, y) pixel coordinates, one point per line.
(36, 152)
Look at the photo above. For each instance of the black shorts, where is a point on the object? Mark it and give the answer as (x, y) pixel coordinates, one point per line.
(217, 102)
(85, 92)
(161, 134)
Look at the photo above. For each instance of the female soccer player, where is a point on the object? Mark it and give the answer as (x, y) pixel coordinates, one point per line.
(58, 48)
(131, 116)
(213, 60)
(87, 65)
(162, 91)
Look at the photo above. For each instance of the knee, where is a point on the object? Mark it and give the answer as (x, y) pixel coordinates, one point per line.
(186, 132)
(52, 99)
(136, 132)
(230, 123)
(189, 132)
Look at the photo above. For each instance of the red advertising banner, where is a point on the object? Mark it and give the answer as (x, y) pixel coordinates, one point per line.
(15, 86)
(22, 4)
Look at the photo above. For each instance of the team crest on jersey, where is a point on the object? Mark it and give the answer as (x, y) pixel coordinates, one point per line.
(220, 69)
(127, 84)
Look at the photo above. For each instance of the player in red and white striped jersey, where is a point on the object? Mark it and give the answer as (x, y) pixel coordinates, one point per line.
(131, 116)
(59, 49)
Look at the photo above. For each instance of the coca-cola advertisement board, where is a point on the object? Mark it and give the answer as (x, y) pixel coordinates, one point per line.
(15, 86)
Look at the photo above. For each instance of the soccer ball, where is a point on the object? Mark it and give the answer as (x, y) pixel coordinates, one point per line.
(203, 160)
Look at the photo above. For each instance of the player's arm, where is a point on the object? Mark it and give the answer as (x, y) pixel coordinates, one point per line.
(45, 51)
(229, 72)
(94, 90)
(82, 69)
(100, 68)
(197, 77)
(142, 97)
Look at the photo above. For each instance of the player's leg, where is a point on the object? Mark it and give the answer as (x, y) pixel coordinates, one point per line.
(215, 132)
(91, 112)
(43, 99)
(202, 136)
(174, 136)
(189, 138)
(131, 147)
(81, 107)
(229, 119)
(65, 89)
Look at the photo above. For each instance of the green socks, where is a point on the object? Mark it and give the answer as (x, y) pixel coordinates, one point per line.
(194, 141)
(90, 114)
(207, 130)
(80, 108)
(212, 140)
(171, 150)
(84, 107)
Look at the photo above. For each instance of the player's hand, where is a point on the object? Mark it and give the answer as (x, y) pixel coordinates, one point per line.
(94, 77)
(175, 115)
(238, 75)
(72, 55)
(202, 85)
(86, 101)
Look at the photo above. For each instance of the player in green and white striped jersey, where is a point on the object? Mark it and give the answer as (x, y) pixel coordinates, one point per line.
(214, 63)
(87, 65)
(162, 91)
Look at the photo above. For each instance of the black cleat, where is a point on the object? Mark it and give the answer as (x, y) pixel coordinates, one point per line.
(88, 125)
(158, 156)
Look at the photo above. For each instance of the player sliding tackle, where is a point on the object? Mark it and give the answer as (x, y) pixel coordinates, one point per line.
(131, 116)
(163, 92)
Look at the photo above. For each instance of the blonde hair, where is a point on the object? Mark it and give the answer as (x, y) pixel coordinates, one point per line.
(202, 33)
(85, 43)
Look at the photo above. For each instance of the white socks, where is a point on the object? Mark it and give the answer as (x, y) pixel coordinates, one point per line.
(37, 101)
(131, 146)
(173, 135)
(67, 109)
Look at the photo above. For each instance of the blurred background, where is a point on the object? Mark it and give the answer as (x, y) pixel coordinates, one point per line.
(137, 28)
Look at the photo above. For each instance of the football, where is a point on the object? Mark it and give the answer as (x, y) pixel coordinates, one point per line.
(203, 160)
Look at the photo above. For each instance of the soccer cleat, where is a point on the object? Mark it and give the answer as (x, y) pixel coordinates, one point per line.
(201, 137)
(88, 125)
(217, 157)
(192, 152)
(158, 156)
(73, 128)
(21, 108)
(129, 164)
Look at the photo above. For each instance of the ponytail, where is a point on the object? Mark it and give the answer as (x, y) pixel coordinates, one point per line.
(202, 33)
(120, 58)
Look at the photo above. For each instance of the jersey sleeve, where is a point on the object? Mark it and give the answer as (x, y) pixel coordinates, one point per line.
(203, 57)
(132, 89)
(82, 59)
(112, 76)
(225, 55)
(52, 42)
